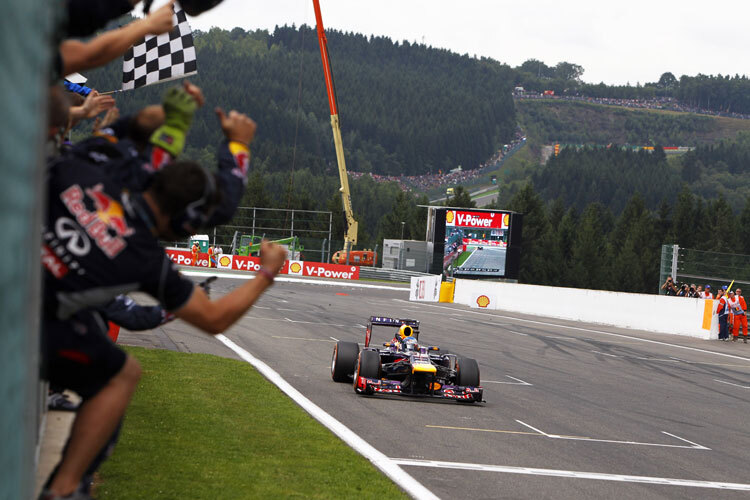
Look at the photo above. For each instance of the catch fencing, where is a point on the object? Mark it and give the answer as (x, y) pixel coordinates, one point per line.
(687, 265)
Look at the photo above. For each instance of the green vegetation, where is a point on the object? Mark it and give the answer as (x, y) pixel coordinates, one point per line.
(583, 123)
(462, 258)
(594, 249)
(205, 427)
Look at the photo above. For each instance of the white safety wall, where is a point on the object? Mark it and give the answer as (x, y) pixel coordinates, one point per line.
(655, 313)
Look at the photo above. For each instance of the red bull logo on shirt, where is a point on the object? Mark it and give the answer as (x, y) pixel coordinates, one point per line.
(107, 218)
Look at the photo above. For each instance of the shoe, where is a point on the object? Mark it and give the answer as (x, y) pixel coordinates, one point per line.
(60, 402)
(734, 339)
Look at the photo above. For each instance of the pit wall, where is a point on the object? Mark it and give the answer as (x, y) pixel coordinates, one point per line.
(654, 313)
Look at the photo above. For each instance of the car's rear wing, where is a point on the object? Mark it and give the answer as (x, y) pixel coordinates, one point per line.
(393, 322)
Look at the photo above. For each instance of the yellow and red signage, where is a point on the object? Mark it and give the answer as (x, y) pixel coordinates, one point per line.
(241, 263)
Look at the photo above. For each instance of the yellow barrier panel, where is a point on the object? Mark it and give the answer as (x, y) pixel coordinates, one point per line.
(708, 313)
(446, 292)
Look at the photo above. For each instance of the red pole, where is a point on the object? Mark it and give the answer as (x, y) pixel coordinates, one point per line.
(324, 56)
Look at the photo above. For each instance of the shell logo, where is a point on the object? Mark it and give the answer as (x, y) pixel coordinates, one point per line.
(483, 301)
(449, 216)
(224, 261)
(295, 268)
(506, 219)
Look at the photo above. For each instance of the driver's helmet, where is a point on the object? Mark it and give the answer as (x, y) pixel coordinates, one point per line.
(410, 344)
(405, 331)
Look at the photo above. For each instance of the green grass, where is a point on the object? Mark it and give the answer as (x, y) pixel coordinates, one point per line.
(206, 427)
(462, 258)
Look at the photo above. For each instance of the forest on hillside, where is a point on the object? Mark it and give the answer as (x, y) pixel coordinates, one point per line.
(580, 123)
(592, 248)
(404, 108)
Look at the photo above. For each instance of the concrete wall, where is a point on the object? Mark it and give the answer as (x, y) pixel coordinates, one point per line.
(656, 313)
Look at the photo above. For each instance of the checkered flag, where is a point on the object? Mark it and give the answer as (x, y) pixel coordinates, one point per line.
(161, 58)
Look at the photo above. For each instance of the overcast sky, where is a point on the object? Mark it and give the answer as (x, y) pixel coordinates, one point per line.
(615, 42)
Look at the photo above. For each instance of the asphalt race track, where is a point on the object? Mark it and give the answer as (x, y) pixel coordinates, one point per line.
(572, 410)
(487, 258)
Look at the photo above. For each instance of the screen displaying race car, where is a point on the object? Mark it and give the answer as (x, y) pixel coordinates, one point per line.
(476, 243)
(402, 366)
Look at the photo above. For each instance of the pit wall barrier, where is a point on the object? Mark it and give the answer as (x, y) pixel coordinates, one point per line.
(654, 313)
(291, 267)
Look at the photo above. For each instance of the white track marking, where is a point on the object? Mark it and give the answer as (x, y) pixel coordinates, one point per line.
(300, 338)
(694, 446)
(729, 383)
(532, 428)
(545, 323)
(518, 381)
(605, 354)
(517, 333)
(573, 474)
(334, 339)
(289, 320)
(249, 276)
(378, 459)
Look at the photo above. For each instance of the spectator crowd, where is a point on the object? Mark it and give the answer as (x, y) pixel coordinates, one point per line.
(109, 199)
(731, 307)
(458, 176)
(665, 103)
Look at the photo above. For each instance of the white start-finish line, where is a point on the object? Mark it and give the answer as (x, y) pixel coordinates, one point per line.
(407, 483)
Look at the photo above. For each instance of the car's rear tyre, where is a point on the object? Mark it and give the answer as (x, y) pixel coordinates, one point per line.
(467, 372)
(344, 360)
(368, 365)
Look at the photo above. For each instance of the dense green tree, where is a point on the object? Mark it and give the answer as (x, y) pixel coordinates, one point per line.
(683, 223)
(744, 224)
(460, 199)
(589, 257)
(537, 240)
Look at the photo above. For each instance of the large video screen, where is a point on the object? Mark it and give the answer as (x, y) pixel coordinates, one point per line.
(476, 243)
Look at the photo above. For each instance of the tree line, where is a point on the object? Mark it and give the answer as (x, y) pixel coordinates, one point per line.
(595, 249)
(719, 93)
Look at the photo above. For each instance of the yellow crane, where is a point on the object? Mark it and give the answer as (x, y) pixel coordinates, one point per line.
(350, 237)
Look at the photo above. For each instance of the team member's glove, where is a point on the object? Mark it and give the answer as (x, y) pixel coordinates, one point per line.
(179, 108)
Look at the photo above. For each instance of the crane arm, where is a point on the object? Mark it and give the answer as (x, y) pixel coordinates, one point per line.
(350, 238)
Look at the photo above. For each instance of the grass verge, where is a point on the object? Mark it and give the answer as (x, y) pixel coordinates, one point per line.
(206, 427)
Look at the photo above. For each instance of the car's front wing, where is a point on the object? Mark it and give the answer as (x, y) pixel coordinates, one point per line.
(384, 386)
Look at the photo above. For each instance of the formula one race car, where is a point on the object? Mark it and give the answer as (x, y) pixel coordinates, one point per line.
(404, 367)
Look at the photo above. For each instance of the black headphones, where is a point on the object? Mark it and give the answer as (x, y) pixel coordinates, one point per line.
(197, 213)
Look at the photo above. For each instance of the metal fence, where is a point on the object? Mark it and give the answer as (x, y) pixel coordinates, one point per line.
(702, 267)
(311, 227)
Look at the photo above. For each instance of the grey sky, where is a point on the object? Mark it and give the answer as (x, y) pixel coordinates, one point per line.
(615, 42)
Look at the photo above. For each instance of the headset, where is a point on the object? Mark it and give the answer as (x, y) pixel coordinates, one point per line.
(196, 214)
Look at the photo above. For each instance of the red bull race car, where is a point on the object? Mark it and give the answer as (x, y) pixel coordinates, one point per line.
(404, 367)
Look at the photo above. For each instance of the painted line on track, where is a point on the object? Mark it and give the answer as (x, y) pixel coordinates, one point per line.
(301, 338)
(573, 474)
(244, 276)
(620, 335)
(389, 467)
(693, 446)
(518, 381)
(729, 383)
